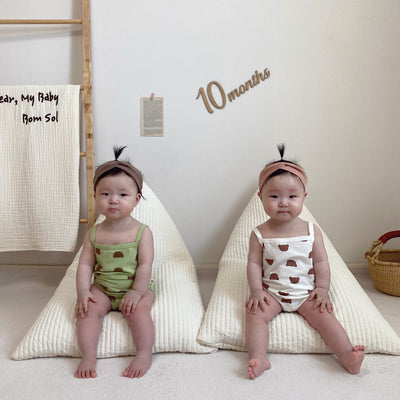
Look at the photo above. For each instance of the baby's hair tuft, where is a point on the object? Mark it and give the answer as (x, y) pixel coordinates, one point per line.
(118, 151)
(281, 149)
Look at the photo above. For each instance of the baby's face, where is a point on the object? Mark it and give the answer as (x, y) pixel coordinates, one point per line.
(283, 197)
(116, 196)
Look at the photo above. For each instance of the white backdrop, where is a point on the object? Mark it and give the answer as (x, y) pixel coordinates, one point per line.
(333, 97)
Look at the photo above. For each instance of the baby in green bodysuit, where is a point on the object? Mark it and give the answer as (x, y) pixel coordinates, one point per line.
(118, 254)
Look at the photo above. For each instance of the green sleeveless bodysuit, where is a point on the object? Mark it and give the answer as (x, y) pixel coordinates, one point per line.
(114, 272)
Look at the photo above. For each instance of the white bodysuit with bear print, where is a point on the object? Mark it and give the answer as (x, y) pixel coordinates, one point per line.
(288, 272)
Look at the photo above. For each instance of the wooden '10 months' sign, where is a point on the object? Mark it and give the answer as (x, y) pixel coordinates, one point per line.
(256, 78)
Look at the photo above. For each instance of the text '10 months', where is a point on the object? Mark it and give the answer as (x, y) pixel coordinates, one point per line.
(256, 78)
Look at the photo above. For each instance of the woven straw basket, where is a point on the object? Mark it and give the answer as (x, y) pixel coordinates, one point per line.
(384, 265)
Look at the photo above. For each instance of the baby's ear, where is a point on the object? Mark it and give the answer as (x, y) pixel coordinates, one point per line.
(259, 194)
(305, 195)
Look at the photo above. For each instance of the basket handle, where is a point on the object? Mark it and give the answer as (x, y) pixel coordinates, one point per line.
(380, 242)
(389, 235)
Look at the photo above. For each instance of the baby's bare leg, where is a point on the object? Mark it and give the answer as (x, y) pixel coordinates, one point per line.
(351, 357)
(257, 338)
(142, 328)
(88, 331)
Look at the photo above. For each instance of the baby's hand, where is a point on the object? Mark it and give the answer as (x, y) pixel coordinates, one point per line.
(322, 300)
(82, 303)
(258, 298)
(129, 301)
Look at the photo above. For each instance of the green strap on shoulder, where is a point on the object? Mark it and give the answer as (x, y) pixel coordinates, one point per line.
(138, 236)
(93, 233)
(140, 232)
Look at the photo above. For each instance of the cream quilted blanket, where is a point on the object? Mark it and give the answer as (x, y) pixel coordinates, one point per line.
(39, 167)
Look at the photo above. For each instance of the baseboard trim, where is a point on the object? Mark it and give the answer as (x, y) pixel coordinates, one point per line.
(357, 265)
(204, 267)
(38, 266)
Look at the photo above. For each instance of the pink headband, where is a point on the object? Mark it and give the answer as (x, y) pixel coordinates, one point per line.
(271, 168)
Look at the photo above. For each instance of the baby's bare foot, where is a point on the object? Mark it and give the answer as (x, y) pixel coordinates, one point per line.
(138, 367)
(257, 367)
(352, 359)
(86, 369)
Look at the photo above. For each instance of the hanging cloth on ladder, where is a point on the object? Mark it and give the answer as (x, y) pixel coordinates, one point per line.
(39, 167)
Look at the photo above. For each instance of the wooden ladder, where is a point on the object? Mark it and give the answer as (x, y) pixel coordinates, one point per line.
(87, 95)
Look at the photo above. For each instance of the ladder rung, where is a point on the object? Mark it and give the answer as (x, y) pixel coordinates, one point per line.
(40, 21)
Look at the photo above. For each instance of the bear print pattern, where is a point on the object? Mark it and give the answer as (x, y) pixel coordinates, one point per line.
(115, 267)
(265, 285)
(288, 272)
(291, 263)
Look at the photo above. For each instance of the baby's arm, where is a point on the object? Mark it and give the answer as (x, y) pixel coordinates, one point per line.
(322, 274)
(143, 273)
(84, 277)
(257, 298)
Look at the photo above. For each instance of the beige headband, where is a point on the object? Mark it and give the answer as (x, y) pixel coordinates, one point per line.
(128, 168)
(271, 168)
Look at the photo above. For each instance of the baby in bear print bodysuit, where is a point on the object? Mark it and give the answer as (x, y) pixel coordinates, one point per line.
(288, 270)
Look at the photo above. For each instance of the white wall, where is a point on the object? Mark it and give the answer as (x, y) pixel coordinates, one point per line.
(333, 97)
